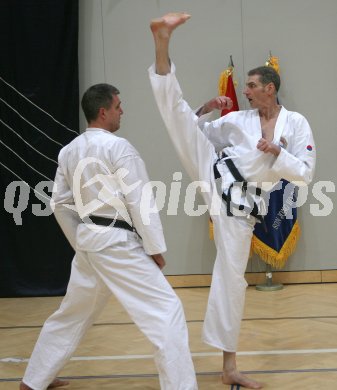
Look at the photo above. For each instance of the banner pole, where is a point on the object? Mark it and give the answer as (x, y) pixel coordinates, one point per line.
(269, 285)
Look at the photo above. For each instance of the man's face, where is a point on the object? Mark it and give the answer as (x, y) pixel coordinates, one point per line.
(255, 92)
(113, 115)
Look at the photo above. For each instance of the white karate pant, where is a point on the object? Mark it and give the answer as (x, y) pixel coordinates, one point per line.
(232, 235)
(140, 286)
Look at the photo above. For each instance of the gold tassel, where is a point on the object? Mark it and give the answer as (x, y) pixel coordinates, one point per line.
(223, 80)
(272, 257)
(273, 62)
(210, 229)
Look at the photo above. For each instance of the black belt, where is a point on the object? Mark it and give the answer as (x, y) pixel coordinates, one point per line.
(239, 179)
(117, 223)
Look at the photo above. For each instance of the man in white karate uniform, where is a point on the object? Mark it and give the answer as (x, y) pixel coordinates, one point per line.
(98, 190)
(265, 144)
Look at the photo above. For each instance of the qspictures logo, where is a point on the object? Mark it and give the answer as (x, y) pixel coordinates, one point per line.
(153, 196)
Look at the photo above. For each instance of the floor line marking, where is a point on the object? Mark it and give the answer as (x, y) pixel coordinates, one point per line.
(194, 354)
(204, 373)
(188, 321)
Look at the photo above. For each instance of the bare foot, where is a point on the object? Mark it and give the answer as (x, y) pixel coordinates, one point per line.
(55, 383)
(58, 383)
(23, 386)
(235, 377)
(164, 26)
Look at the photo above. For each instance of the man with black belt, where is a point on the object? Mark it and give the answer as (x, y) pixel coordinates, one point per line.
(264, 145)
(98, 189)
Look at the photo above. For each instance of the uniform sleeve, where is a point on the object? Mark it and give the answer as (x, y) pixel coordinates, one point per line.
(139, 197)
(203, 120)
(64, 207)
(218, 131)
(298, 164)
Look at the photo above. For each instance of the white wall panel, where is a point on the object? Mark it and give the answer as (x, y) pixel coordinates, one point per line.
(116, 46)
(302, 33)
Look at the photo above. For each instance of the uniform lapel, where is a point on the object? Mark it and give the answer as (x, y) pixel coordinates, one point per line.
(280, 125)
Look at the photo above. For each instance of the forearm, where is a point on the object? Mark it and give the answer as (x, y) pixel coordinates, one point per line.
(217, 103)
(68, 221)
(141, 204)
(203, 110)
(297, 161)
(294, 169)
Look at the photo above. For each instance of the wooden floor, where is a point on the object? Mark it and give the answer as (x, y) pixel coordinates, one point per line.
(288, 341)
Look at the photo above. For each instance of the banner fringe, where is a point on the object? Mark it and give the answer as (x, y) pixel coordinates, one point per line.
(210, 229)
(271, 256)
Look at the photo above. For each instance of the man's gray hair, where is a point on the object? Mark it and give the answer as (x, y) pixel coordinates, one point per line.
(267, 75)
